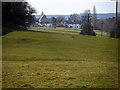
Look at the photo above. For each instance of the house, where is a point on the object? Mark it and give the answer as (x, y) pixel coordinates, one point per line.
(44, 21)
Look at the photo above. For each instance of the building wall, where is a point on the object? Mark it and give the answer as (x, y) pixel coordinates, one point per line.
(45, 24)
(74, 25)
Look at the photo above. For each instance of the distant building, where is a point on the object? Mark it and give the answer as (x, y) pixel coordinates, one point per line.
(44, 21)
(73, 25)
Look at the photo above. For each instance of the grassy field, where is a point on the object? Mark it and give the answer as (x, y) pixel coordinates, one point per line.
(57, 60)
(65, 30)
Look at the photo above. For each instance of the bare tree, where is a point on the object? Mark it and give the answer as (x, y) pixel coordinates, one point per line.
(74, 18)
(94, 17)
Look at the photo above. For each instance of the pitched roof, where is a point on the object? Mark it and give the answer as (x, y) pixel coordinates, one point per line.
(43, 18)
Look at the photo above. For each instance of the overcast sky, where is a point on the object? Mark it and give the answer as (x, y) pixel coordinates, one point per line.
(67, 7)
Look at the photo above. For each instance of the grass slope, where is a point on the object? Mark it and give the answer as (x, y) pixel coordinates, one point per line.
(66, 30)
(39, 59)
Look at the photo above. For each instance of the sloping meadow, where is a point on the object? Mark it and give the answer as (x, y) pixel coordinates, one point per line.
(53, 60)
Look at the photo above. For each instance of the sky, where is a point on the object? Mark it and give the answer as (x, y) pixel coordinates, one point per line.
(67, 7)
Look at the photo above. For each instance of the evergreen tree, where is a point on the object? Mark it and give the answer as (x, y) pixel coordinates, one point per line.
(16, 16)
(87, 28)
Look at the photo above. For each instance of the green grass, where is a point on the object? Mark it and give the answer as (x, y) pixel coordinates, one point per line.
(66, 31)
(54, 60)
(56, 30)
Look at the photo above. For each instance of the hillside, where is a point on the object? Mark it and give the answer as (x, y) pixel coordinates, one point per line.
(56, 60)
(52, 45)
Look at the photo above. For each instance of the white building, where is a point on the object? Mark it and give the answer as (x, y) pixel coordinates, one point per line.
(44, 21)
(73, 25)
